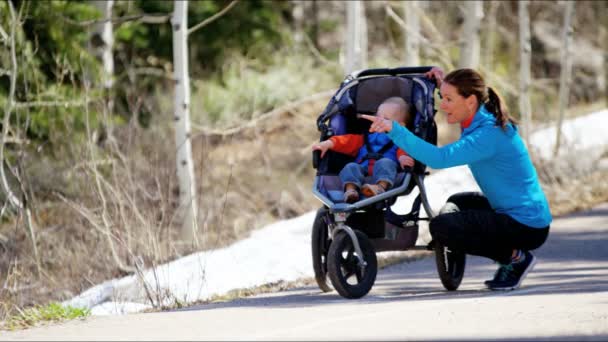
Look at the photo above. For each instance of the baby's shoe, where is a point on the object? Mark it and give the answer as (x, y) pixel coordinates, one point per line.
(370, 190)
(351, 196)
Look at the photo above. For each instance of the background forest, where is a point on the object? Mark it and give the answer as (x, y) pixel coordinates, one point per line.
(90, 157)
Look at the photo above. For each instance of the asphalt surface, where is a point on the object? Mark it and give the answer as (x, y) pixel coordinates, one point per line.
(565, 297)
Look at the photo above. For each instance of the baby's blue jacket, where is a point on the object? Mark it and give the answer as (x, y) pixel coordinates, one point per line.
(498, 160)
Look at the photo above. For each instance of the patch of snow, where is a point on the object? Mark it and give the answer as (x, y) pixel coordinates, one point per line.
(281, 251)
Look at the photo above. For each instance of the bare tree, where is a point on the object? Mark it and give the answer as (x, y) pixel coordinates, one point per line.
(20, 204)
(469, 43)
(605, 40)
(103, 43)
(315, 23)
(185, 165)
(356, 37)
(525, 50)
(103, 38)
(566, 70)
(412, 41)
(297, 13)
(491, 32)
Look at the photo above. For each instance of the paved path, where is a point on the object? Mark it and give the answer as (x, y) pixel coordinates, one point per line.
(564, 298)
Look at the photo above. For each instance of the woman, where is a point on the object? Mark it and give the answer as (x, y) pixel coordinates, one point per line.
(511, 216)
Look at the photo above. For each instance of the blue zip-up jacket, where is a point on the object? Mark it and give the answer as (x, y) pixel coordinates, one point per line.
(498, 160)
(376, 142)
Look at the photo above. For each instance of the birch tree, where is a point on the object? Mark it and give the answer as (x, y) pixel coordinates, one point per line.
(297, 13)
(604, 13)
(356, 37)
(566, 70)
(411, 33)
(104, 35)
(315, 24)
(488, 49)
(469, 43)
(103, 32)
(525, 50)
(185, 165)
(20, 204)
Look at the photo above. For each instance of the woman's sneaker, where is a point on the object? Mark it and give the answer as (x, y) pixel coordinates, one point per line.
(509, 277)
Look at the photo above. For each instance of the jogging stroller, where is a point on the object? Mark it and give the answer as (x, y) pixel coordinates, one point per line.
(346, 237)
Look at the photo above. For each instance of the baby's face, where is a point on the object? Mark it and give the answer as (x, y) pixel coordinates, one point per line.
(391, 112)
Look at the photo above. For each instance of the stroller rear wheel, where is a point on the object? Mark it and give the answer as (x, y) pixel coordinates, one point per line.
(450, 266)
(346, 275)
(320, 247)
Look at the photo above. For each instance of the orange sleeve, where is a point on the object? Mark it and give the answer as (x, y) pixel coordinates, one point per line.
(348, 143)
(400, 153)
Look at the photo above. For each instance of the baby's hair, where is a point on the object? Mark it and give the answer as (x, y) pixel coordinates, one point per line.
(404, 107)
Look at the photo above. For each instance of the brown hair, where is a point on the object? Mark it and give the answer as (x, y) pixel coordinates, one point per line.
(469, 82)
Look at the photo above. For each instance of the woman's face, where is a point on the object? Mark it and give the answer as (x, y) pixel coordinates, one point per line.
(456, 107)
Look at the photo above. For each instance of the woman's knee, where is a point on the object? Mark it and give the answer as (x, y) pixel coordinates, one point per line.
(470, 200)
(439, 226)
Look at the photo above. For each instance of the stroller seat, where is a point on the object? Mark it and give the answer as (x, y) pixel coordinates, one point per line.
(332, 187)
(362, 94)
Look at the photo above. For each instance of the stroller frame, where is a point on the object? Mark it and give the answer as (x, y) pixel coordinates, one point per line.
(331, 221)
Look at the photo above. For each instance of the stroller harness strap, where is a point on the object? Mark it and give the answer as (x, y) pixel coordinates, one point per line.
(372, 155)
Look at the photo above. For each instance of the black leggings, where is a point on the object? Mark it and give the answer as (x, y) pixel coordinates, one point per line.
(469, 224)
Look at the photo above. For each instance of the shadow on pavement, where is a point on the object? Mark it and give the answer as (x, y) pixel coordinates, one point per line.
(556, 272)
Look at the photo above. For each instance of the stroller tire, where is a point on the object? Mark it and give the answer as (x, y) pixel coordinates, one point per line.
(320, 242)
(450, 266)
(350, 280)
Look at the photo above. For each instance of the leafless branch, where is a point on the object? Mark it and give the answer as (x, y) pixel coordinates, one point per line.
(144, 18)
(8, 110)
(213, 17)
(12, 199)
(78, 103)
(252, 123)
(437, 47)
(3, 34)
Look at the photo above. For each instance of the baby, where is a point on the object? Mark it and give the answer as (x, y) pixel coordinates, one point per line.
(376, 155)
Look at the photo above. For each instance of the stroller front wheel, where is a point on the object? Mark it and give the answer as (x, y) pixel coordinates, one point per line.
(450, 266)
(350, 279)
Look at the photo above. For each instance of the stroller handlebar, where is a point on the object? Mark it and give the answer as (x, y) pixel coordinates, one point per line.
(395, 71)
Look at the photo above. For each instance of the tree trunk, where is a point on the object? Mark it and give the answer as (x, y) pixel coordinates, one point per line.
(411, 34)
(315, 24)
(469, 43)
(525, 51)
(185, 167)
(103, 33)
(20, 204)
(298, 22)
(488, 51)
(566, 70)
(605, 40)
(103, 43)
(356, 37)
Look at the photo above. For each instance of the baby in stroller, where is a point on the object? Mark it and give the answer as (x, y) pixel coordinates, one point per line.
(376, 155)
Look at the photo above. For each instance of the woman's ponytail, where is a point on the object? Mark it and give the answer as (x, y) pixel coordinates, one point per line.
(469, 82)
(495, 105)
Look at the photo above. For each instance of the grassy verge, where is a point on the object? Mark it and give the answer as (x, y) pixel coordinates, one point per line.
(53, 312)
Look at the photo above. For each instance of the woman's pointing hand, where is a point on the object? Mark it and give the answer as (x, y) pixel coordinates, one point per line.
(379, 124)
